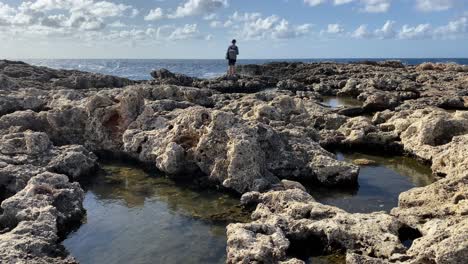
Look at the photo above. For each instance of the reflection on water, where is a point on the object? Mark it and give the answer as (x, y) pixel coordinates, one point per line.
(380, 184)
(133, 217)
(337, 101)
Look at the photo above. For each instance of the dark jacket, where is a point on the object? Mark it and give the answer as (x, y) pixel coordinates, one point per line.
(232, 47)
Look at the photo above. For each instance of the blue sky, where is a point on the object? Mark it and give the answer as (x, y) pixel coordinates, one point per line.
(263, 28)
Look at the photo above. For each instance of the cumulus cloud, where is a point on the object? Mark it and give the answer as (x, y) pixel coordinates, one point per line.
(335, 2)
(91, 7)
(101, 19)
(314, 2)
(375, 6)
(150, 34)
(387, 31)
(189, 31)
(89, 20)
(453, 29)
(369, 6)
(283, 30)
(154, 14)
(361, 32)
(254, 26)
(198, 7)
(420, 31)
(434, 5)
(216, 24)
(6, 10)
(62, 15)
(333, 29)
(342, 2)
(212, 16)
(117, 24)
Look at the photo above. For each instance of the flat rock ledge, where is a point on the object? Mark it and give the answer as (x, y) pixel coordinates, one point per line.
(259, 134)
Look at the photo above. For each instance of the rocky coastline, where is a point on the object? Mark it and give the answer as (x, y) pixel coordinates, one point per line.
(261, 135)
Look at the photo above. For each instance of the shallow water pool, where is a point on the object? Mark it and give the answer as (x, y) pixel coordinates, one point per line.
(380, 184)
(134, 217)
(338, 101)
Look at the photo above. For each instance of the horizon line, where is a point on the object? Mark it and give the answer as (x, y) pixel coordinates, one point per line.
(292, 58)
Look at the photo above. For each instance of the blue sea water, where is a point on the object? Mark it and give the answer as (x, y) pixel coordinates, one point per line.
(139, 69)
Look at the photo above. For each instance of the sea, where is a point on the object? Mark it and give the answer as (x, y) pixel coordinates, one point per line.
(139, 69)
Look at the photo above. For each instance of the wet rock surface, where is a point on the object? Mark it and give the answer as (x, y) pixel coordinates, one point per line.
(259, 134)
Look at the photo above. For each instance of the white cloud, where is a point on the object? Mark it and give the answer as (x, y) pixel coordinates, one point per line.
(210, 17)
(134, 13)
(434, 5)
(333, 29)
(216, 24)
(97, 8)
(342, 2)
(189, 31)
(420, 31)
(107, 9)
(361, 32)
(39, 20)
(62, 15)
(387, 31)
(150, 34)
(54, 21)
(154, 14)
(369, 6)
(453, 29)
(253, 26)
(198, 7)
(6, 14)
(6, 10)
(284, 30)
(375, 6)
(314, 2)
(117, 24)
(85, 22)
(101, 19)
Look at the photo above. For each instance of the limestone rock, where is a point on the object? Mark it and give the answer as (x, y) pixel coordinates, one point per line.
(164, 76)
(34, 216)
(293, 216)
(20, 74)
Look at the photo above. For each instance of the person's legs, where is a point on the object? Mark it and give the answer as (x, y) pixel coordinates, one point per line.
(234, 69)
(230, 68)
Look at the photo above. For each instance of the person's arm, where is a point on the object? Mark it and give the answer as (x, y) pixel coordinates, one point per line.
(237, 50)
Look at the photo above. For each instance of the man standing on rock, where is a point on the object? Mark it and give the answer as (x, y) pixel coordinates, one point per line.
(231, 56)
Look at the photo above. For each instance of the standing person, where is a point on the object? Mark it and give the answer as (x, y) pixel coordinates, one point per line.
(231, 56)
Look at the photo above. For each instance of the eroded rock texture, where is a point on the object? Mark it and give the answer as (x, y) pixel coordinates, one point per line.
(259, 134)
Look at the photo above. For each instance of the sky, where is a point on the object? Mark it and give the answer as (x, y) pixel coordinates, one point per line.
(264, 29)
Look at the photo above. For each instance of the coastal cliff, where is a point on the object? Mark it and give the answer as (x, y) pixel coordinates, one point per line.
(260, 134)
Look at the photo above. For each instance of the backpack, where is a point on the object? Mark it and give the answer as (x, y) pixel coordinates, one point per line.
(232, 53)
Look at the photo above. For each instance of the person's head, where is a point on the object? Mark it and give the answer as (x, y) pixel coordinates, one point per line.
(233, 41)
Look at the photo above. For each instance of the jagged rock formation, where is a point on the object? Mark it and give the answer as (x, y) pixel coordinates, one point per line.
(33, 217)
(259, 135)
